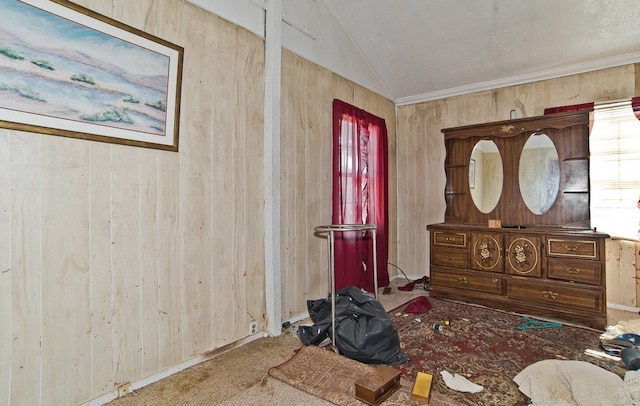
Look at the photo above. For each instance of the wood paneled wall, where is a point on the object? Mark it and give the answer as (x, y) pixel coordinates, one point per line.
(307, 94)
(421, 153)
(623, 273)
(119, 262)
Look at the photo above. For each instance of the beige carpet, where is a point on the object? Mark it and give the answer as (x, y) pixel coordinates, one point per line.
(240, 377)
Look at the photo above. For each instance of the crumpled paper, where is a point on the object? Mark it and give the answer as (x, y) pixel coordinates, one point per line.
(623, 327)
(460, 383)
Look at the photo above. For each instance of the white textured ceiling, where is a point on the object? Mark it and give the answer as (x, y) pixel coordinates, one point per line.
(414, 50)
(423, 47)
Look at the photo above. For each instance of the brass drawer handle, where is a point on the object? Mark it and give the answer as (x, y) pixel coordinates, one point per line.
(573, 271)
(450, 258)
(463, 281)
(550, 295)
(448, 239)
(571, 248)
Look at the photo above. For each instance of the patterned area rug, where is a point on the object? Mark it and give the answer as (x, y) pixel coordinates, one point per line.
(481, 344)
(330, 376)
(486, 347)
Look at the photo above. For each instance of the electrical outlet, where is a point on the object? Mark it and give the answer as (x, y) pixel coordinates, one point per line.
(123, 388)
(253, 327)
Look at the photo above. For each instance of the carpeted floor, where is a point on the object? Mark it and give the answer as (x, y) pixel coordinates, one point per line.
(328, 375)
(486, 347)
(240, 377)
(481, 344)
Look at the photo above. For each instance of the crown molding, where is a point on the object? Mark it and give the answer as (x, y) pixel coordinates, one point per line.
(591, 66)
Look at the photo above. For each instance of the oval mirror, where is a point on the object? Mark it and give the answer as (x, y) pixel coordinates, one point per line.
(485, 175)
(539, 173)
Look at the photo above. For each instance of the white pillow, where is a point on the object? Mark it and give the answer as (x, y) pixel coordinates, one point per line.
(564, 382)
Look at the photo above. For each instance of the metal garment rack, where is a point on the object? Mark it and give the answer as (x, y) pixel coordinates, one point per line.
(329, 231)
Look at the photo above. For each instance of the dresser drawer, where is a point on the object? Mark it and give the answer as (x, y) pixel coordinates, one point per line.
(486, 252)
(556, 295)
(575, 271)
(450, 258)
(587, 249)
(523, 255)
(480, 283)
(450, 239)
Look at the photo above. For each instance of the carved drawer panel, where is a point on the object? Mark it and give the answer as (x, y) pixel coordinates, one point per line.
(556, 295)
(486, 254)
(575, 271)
(450, 239)
(450, 258)
(573, 248)
(480, 283)
(523, 255)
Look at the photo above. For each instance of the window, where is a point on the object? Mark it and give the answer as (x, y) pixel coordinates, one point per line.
(615, 170)
(357, 171)
(360, 195)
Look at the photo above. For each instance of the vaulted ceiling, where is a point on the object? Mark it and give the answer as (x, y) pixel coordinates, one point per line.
(413, 50)
(423, 47)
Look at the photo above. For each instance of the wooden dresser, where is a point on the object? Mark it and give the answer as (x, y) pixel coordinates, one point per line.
(529, 180)
(547, 272)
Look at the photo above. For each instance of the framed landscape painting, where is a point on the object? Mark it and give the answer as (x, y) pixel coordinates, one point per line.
(68, 71)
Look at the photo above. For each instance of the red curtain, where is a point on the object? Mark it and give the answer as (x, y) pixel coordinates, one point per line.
(566, 109)
(360, 195)
(635, 105)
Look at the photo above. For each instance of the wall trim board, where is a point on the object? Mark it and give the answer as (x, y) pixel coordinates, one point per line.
(623, 307)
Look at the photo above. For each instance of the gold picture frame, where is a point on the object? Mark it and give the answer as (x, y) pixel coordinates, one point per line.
(68, 71)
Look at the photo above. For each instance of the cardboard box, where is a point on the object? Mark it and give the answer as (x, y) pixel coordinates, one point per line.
(377, 386)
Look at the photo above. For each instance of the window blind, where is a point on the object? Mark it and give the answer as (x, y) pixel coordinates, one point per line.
(615, 170)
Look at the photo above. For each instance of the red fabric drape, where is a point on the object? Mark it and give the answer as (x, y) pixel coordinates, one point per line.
(635, 105)
(359, 195)
(566, 109)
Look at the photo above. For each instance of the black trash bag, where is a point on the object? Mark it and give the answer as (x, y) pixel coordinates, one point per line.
(364, 331)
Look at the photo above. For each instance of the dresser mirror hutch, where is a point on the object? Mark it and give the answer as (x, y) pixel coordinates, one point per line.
(517, 233)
